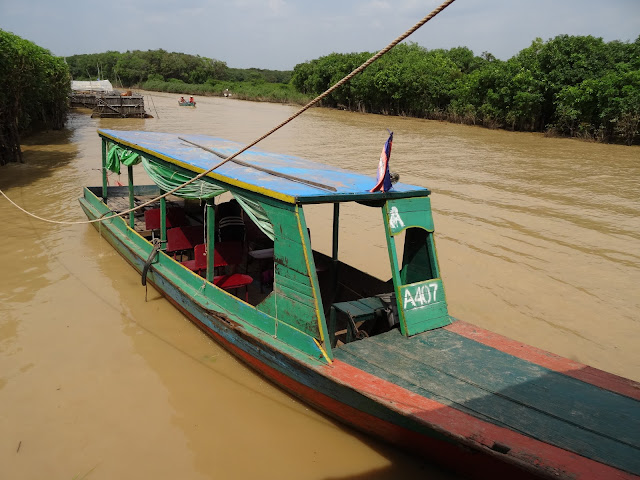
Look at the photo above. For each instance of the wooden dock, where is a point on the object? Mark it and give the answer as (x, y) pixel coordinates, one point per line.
(110, 105)
(119, 106)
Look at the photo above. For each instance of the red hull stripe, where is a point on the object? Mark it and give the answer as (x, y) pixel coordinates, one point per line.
(461, 428)
(577, 370)
(468, 430)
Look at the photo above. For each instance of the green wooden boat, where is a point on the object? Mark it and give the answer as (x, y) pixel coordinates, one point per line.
(382, 356)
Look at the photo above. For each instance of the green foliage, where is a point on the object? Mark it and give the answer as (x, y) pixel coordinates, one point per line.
(571, 85)
(135, 67)
(34, 93)
(256, 74)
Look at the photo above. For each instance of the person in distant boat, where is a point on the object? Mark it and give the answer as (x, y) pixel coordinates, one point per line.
(191, 100)
(182, 100)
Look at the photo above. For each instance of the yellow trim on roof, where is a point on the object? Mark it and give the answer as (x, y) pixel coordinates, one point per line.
(231, 181)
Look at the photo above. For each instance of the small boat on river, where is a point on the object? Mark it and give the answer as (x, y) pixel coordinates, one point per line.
(383, 356)
(186, 104)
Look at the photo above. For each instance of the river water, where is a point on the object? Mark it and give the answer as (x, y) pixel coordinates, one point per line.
(538, 239)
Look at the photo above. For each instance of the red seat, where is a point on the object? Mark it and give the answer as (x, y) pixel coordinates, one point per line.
(175, 218)
(184, 238)
(233, 282)
(199, 262)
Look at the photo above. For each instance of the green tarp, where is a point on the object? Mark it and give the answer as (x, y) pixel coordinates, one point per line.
(168, 177)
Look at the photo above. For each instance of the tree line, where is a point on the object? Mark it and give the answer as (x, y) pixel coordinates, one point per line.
(570, 85)
(136, 67)
(34, 93)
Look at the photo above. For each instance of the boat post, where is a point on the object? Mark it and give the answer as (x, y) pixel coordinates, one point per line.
(163, 220)
(334, 251)
(211, 235)
(104, 170)
(336, 221)
(131, 198)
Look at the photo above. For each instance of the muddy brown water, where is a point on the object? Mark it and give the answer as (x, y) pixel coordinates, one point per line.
(538, 238)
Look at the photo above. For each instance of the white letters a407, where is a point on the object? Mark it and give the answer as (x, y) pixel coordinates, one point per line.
(422, 295)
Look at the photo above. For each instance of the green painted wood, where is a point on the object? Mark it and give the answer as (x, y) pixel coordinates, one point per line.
(435, 316)
(268, 305)
(211, 235)
(421, 301)
(395, 273)
(104, 170)
(290, 254)
(292, 276)
(295, 298)
(163, 221)
(409, 212)
(131, 197)
(361, 310)
(282, 290)
(525, 397)
(299, 284)
(424, 306)
(284, 221)
(321, 323)
(297, 314)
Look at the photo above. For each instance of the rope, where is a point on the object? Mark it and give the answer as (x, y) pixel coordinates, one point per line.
(337, 85)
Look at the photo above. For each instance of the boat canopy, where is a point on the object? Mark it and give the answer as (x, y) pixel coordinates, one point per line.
(93, 86)
(284, 177)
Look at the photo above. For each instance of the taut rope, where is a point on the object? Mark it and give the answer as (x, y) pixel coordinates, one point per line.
(270, 132)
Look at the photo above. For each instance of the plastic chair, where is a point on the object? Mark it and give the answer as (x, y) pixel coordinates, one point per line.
(199, 262)
(234, 282)
(175, 218)
(181, 239)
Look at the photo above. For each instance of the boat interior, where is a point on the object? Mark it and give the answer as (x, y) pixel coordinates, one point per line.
(356, 304)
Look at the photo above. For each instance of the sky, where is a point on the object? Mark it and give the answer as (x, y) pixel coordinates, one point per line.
(279, 34)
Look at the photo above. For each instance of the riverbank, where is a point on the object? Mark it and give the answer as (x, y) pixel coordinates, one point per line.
(286, 94)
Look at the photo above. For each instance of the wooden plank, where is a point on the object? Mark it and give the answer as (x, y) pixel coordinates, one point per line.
(282, 290)
(531, 401)
(292, 275)
(580, 371)
(293, 281)
(289, 253)
(297, 314)
(531, 385)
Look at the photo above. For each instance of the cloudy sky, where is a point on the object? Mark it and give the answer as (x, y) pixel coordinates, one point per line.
(278, 34)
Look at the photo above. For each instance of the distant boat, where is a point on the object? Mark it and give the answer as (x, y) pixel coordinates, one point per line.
(187, 104)
(382, 356)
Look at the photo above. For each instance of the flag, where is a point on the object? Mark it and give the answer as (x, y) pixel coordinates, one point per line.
(384, 178)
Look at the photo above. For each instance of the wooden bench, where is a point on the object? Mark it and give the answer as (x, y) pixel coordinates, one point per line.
(358, 312)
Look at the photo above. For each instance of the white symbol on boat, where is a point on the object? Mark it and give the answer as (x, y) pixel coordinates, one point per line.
(394, 218)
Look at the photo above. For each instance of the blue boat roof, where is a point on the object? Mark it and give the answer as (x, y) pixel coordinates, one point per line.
(285, 177)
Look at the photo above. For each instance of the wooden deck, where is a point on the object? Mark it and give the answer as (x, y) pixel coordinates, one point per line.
(507, 391)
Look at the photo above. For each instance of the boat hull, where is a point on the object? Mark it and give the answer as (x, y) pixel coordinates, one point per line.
(368, 403)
